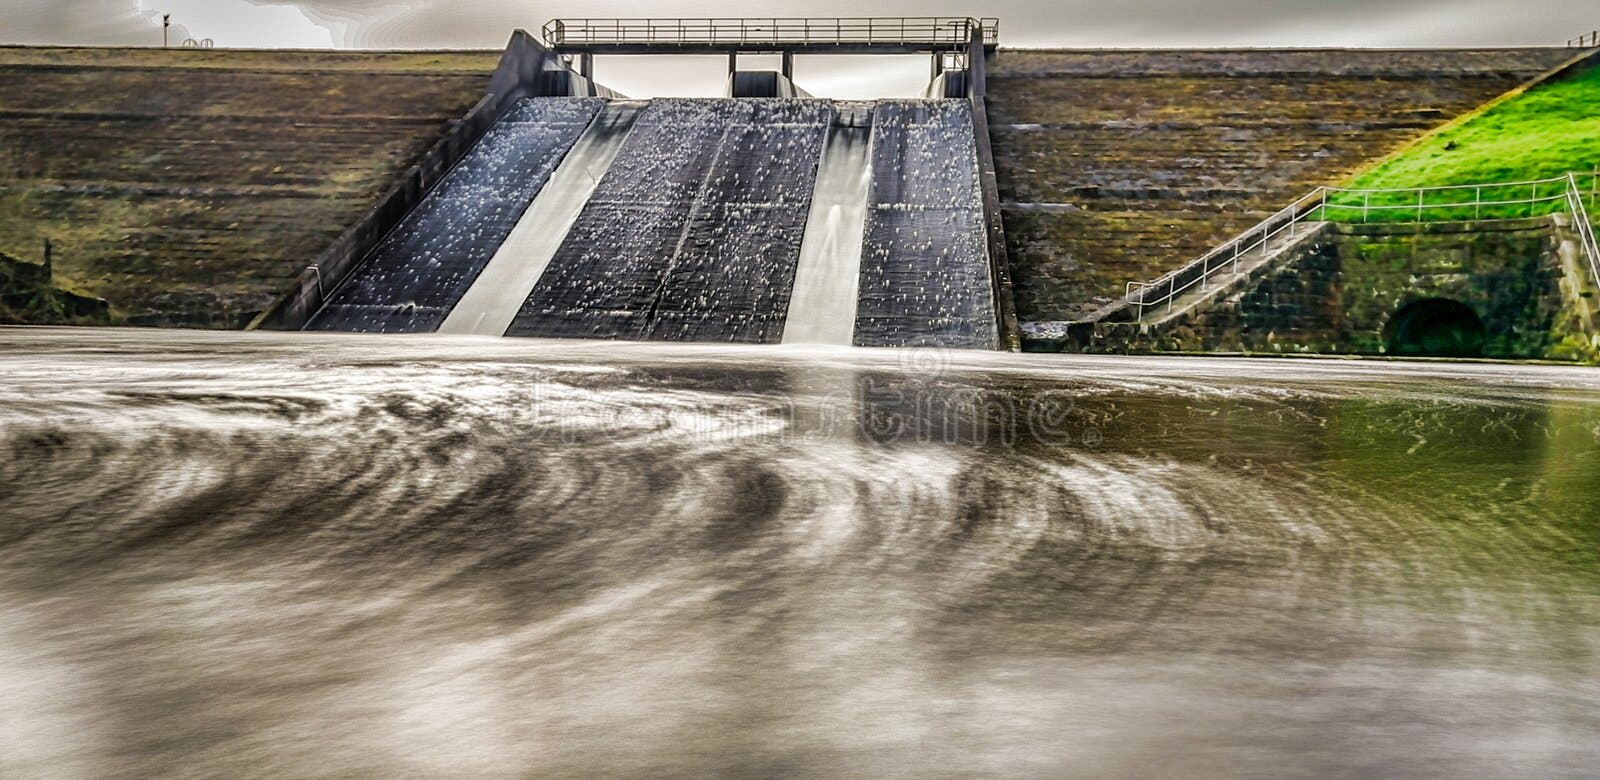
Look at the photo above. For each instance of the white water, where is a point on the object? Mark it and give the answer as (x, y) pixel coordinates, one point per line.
(822, 309)
(492, 302)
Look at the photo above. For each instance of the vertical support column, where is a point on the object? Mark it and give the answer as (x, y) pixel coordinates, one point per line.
(788, 65)
(1005, 304)
(733, 62)
(586, 66)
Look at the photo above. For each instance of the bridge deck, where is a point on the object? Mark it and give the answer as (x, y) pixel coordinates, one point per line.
(899, 35)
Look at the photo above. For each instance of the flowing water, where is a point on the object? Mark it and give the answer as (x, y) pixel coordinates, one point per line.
(327, 554)
(822, 308)
(489, 306)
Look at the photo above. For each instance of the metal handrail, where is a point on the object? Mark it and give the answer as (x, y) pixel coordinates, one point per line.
(1582, 224)
(1318, 206)
(931, 30)
(1587, 41)
(1225, 255)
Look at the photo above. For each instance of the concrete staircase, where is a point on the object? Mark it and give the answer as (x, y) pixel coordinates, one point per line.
(1129, 322)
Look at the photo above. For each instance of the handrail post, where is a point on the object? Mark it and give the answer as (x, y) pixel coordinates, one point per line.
(1366, 206)
(1477, 203)
(1420, 194)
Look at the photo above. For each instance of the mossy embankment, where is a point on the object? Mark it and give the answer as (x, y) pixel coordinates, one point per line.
(1122, 165)
(1546, 132)
(188, 187)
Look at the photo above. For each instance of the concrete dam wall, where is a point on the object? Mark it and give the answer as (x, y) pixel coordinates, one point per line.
(693, 228)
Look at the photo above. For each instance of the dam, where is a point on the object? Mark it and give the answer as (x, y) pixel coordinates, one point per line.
(582, 214)
(539, 455)
(1010, 203)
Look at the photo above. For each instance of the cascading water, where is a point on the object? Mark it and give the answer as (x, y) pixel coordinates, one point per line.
(822, 308)
(490, 305)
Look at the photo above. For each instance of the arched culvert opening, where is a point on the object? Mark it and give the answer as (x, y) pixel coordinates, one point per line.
(1436, 327)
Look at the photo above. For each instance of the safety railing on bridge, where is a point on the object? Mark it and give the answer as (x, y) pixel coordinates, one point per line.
(1575, 193)
(937, 31)
(1588, 41)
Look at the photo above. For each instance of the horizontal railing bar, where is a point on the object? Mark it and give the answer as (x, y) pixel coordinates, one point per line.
(716, 30)
(1428, 206)
(1166, 288)
(1530, 183)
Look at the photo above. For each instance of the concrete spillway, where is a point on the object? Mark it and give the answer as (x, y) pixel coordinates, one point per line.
(735, 220)
(925, 276)
(694, 233)
(490, 305)
(822, 308)
(409, 283)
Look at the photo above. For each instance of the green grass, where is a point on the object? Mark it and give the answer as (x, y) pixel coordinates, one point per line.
(1544, 133)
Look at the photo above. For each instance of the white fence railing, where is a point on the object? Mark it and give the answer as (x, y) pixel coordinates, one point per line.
(1418, 204)
(1586, 41)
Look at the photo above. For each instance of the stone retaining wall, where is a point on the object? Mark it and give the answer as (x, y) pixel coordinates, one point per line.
(1341, 294)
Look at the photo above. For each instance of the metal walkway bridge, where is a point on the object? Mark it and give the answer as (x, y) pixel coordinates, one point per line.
(898, 35)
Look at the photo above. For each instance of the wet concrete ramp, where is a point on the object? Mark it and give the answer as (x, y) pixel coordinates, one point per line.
(409, 283)
(695, 231)
(925, 278)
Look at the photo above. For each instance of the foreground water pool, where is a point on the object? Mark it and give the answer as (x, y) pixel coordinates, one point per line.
(351, 555)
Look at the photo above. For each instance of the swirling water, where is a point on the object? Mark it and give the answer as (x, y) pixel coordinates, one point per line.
(319, 554)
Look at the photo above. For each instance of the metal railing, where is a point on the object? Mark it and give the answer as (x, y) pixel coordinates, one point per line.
(1418, 204)
(938, 31)
(1581, 221)
(1588, 41)
(1166, 289)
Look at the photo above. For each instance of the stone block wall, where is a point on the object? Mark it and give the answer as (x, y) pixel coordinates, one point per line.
(1341, 294)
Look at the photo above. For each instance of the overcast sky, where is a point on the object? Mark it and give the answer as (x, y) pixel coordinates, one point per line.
(1075, 23)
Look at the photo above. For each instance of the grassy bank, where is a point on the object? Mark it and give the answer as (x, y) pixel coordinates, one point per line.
(1544, 133)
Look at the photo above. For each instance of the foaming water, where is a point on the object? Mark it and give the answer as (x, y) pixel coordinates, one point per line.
(330, 555)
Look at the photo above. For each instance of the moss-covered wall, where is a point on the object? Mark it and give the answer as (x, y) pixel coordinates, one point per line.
(189, 187)
(1341, 295)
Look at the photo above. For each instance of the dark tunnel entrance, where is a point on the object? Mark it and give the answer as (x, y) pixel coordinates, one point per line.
(1436, 327)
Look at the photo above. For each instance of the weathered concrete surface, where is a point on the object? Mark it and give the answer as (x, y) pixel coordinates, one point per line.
(925, 276)
(694, 233)
(526, 69)
(189, 187)
(429, 260)
(1121, 165)
(1340, 294)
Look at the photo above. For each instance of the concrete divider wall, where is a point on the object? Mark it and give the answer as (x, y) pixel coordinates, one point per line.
(526, 69)
(975, 81)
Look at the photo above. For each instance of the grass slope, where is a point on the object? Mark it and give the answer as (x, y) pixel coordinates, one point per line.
(1547, 132)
